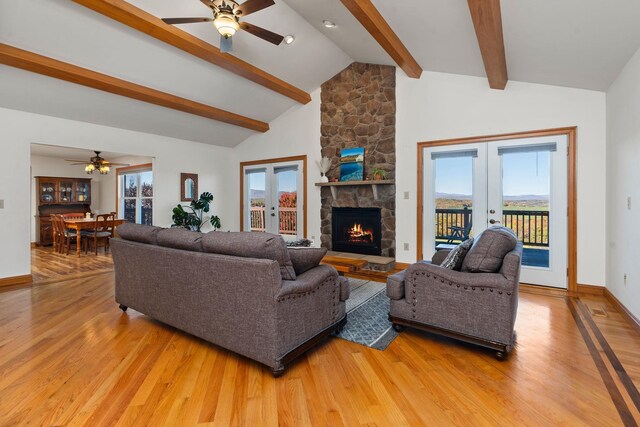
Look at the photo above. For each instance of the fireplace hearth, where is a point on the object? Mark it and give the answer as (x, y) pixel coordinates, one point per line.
(357, 230)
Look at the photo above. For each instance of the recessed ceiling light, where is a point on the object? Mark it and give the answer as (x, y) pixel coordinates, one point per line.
(328, 24)
(288, 39)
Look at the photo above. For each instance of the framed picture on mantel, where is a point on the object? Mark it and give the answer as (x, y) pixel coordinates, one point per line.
(188, 187)
(352, 164)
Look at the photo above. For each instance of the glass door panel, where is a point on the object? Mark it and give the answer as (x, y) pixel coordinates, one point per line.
(527, 192)
(453, 199)
(256, 196)
(286, 184)
(525, 203)
(453, 195)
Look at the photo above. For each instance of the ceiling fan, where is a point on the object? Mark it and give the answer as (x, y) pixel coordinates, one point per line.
(226, 19)
(96, 163)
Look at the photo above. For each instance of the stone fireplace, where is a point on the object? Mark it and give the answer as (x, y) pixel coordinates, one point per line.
(356, 230)
(358, 109)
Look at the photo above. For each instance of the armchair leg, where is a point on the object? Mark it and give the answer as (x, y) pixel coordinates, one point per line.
(501, 355)
(123, 307)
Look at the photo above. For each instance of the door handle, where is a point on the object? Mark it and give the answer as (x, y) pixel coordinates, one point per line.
(273, 214)
(493, 221)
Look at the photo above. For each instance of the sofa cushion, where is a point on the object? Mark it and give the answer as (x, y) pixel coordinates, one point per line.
(455, 257)
(395, 285)
(251, 245)
(138, 233)
(488, 250)
(180, 238)
(304, 259)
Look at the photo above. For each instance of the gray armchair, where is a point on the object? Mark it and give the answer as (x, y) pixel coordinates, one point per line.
(479, 308)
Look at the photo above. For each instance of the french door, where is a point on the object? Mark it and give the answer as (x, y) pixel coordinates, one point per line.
(272, 198)
(519, 183)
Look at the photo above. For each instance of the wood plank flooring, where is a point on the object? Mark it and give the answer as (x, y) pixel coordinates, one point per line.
(69, 356)
(47, 265)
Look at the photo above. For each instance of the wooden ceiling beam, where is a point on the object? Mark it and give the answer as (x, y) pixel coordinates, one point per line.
(487, 20)
(371, 19)
(136, 18)
(35, 63)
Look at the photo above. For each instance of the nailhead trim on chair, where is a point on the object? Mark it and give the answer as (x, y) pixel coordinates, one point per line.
(436, 278)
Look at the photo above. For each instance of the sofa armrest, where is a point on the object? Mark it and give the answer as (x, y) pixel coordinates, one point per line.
(491, 281)
(395, 285)
(307, 281)
(345, 291)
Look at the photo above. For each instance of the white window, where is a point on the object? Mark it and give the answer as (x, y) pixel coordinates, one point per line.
(135, 195)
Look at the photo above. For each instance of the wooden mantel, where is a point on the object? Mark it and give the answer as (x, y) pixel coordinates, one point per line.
(374, 185)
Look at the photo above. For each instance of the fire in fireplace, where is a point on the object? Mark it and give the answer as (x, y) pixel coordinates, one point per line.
(356, 230)
(357, 234)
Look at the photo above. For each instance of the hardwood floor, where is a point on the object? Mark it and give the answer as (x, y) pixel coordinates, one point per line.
(47, 265)
(69, 356)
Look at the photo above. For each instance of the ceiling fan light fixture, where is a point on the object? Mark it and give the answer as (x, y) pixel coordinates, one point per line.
(328, 23)
(104, 169)
(89, 168)
(288, 39)
(226, 24)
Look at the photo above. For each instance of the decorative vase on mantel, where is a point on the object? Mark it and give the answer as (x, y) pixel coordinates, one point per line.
(324, 164)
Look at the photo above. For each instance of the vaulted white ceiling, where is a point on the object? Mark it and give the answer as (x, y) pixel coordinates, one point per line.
(575, 43)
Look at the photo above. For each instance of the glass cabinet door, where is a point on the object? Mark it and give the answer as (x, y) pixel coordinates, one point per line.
(66, 191)
(48, 191)
(82, 192)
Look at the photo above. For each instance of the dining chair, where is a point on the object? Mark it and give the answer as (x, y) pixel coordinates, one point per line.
(74, 215)
(65, 236)
(55, 233)
(102, 232)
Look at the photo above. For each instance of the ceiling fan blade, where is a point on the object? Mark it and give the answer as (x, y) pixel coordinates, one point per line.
(78, 164)
(226, 44)
(208, 4)
(185, 20)
(267, 35)
(251, 6)
(75, 160)
(115, 164)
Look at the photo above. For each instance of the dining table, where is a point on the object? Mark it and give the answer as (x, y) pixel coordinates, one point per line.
(79, 224)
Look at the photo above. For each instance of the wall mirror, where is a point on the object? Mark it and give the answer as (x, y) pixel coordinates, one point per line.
(188, 187)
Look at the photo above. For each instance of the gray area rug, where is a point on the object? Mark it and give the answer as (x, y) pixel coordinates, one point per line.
(367, 318)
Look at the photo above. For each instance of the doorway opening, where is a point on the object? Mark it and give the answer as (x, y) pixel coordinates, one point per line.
(273, 197)
(524, 181)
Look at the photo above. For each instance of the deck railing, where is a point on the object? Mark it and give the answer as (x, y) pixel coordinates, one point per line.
(288, 220)
(532, 227)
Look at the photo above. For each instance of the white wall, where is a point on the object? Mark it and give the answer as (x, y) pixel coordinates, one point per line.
(295, 133)
(171, 157)
(53, 166)
(442, 106)
(623, 176)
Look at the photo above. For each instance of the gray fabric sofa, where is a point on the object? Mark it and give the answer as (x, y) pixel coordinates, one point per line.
(476, 307)
(228, 289)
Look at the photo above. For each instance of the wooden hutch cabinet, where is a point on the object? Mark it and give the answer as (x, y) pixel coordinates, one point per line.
(59, 196)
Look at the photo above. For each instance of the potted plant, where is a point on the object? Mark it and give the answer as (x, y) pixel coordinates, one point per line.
(378, 174)
(194, 219)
